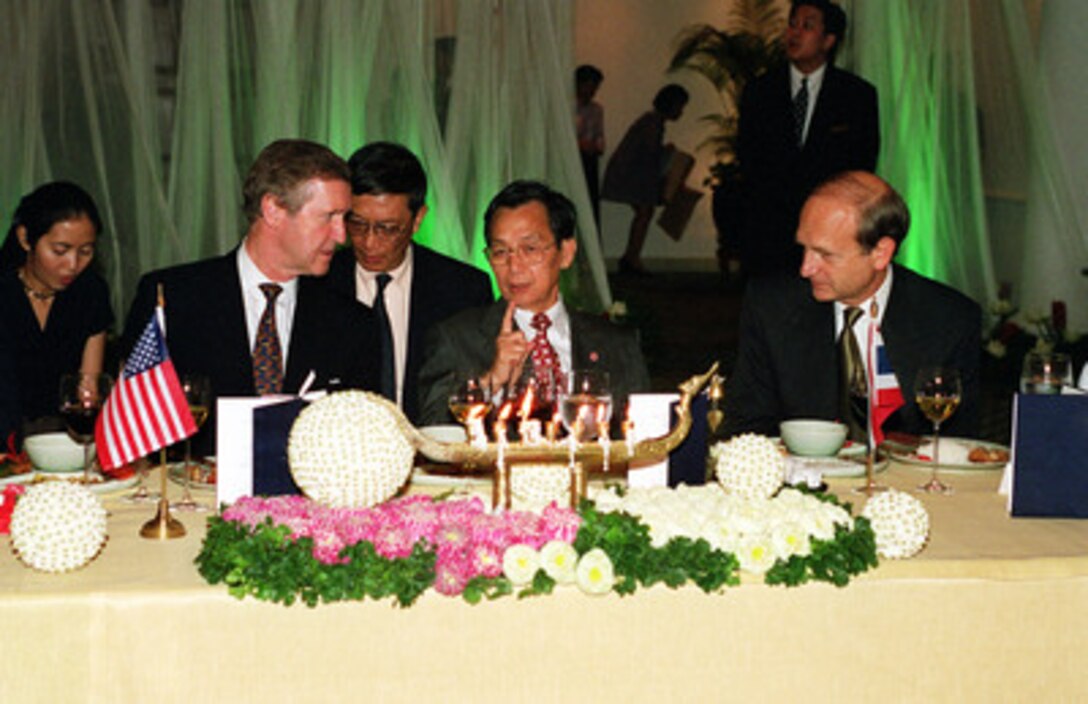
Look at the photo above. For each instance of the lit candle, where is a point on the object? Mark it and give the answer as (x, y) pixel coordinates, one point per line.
(477, 436)
(602, 437)
(629, 435)
(529, 431)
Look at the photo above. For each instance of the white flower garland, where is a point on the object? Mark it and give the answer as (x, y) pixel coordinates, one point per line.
(900, 523)
(58, 526)
(759, 531)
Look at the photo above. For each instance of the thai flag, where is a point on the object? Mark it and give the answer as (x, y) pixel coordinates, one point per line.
(146, 409)
(885, 396)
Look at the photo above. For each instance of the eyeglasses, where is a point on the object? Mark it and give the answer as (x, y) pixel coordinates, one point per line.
(531, 254)
(357, 227)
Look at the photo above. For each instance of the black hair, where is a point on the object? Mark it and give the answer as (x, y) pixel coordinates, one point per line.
(670, 98)
(386, 167)
(834, 21)
(39, 211)
(588, 73)
(562, 215)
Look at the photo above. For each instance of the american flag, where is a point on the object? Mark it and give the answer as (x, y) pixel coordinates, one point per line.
(146, 409)
(885, 397)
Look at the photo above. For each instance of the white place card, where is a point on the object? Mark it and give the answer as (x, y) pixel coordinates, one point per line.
(652, 417)
(234, 442)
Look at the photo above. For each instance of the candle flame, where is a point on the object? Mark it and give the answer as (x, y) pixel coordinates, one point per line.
(506, 410)
(526, 403)
(476, 412)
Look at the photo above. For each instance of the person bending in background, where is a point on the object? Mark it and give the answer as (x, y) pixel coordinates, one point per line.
(636, 170)
(54, 310)
(589, 127)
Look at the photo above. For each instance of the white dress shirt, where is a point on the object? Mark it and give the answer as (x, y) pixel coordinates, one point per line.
(255, 302)
(861, 326)
(398, 304)
(815, 83)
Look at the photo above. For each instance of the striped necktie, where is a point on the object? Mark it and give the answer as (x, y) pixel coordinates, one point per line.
(800, 111)
(854, 390)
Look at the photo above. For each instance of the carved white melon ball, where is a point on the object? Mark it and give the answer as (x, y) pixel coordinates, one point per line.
(900, 523)
(58, 526)
(348, 449)
(750, 466)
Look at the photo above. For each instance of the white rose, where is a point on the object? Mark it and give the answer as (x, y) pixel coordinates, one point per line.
(594, 573)
(520, 563)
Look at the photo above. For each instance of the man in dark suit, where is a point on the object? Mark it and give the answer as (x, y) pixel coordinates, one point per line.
(799, 125)
(789, 362)
(421, 287)
(255, 320)
(530, 240)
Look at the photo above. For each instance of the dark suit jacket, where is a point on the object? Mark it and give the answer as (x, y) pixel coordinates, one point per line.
(466, 342)
(787, 364)
(441, 286)
(844, 135)
(206, 332)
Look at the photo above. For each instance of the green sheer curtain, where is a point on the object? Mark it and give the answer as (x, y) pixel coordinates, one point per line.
(918, 54)
(78, 101)
(511, 117)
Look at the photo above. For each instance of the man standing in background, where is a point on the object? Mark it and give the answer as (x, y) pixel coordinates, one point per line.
(799, 125)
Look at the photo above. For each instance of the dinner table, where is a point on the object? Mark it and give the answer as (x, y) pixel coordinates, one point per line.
(994, 608)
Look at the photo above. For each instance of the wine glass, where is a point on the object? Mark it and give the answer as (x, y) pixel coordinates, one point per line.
(470, 400)
(586, 404)
(1045, 373)
(198, 394)
(937, 391)
(81, 399)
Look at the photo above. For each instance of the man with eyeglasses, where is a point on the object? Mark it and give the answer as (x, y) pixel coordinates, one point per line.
(530, 240)
(410, 287)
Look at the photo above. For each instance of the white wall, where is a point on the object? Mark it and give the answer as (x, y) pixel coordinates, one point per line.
(631, 42)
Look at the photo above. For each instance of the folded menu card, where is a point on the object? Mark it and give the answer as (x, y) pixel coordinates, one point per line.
(1049, 453)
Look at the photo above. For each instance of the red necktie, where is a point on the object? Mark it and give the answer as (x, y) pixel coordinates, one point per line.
(546, 368)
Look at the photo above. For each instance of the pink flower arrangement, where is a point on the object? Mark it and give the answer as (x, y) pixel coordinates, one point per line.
(467, 540)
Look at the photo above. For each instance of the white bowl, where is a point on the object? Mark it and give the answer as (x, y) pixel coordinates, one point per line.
(811, 437)
(55, 452)
(445, 433)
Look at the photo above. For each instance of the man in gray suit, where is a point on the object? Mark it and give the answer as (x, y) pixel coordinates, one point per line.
(530, 240)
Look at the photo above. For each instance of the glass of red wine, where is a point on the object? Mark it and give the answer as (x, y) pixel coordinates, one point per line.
(81, 399)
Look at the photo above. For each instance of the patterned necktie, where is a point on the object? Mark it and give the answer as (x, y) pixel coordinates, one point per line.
(854, 391)
(800, 110)
(546, 368)
(267, 353)
(387, 374)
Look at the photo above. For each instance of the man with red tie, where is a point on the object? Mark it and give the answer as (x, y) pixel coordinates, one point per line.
(530, 240)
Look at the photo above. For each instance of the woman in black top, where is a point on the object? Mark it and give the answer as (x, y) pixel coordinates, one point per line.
(54, 311)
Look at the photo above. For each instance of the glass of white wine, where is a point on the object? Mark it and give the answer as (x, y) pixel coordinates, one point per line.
(586, 404)
(470, 399)
(937, 391)
(198, 394)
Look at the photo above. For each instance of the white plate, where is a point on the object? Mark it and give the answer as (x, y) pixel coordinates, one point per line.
(444, 433)
(910, 455)
(106, 487)
(835, 467)
(177, 475)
